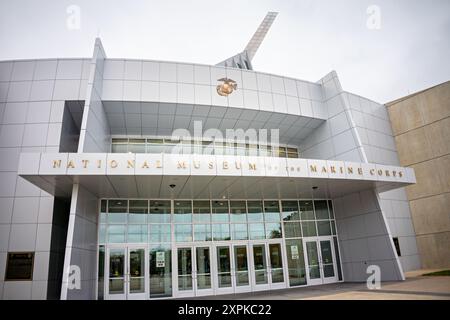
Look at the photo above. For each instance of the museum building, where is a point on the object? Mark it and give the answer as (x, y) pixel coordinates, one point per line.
(140, 179)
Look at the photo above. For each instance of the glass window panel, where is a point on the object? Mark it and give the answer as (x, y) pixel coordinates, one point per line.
(271, 211)
(273, 230)
(207, 147)
(202, 211)
(183, 232)
(102, 234)
(330, 208)
(290, 210)
(159, 211)
(321, 208)
(292, 229)
(155, 148)
(136, 146)
(221, 231)
(117, 211)
(119, 148)
(182, 211)
(296, 262)
(184, 269)
(224, 267)
(309, 229)
(159, 233)
(239, 231)
(238, 211)
(160, 271)
(333, 227)
(137, 233)
(116, 234)
(338, 259)
(203, 268)
(241, 265)
(202, 232)
(256, 231)
(220, 211)
(306, 210)
(103, 210)
(255, 211)
(138, 211)
(323, 228)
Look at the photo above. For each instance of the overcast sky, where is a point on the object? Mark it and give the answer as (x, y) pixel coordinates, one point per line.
(410, 50)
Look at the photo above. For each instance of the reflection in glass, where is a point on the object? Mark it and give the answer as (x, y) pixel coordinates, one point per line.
(309, 228)
(117, 211)
(220, 211)
(271, 211)
(276, 262)
(239, 231)
(338, 259)
(103, 210)
(202, 211)
(292, 229)
(323, 228)
(116, 233)
(160, 271)
(238, 211)
(183, 232)
(203, 268)
(306, 210)
(160, 211)
(182, 211)
(273, 230)
(138, 211)
(202, 232)
(327, 258)
(137, 270)
(184, 258)
(256, 231)
(116, 271)
(223, 267)
(221, 231)
(137, 233)
(290, 210)
(255, 211)
(296, 262)
(159, 233)
(259, 260)
(330, 208)
(321, 208)
(313, 260)
(241, 266)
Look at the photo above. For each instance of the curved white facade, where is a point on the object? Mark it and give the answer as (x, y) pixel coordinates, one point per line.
(58, 121)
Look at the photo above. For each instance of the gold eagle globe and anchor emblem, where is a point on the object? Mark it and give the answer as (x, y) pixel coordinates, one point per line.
(226, 87)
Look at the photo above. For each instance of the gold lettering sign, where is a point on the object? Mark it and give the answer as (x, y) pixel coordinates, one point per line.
(350, 170)
(372, 172)
(85, 163)
(130, 163)
(113, 164)
(313, 168)
(56, 163)
(196, 164)
(251, 166)
(71, 164)
(324, 170)
(225, 165)
(360, 172)
(181, 165)
(145, 165)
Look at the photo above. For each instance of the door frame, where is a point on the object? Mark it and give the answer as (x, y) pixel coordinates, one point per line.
(322, 279)
(126, 295)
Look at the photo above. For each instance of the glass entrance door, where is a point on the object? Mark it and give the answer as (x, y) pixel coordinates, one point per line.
(241, 268)
(194, 271)
(224, 280)
(267, 266)
(127, 273)
(321, 266)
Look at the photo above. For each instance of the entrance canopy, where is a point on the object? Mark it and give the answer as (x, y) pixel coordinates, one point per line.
(205, 176)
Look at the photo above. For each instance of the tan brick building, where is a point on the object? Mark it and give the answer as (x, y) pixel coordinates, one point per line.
(421, 126)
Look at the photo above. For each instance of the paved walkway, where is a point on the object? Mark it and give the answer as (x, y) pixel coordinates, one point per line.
(415, 287)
